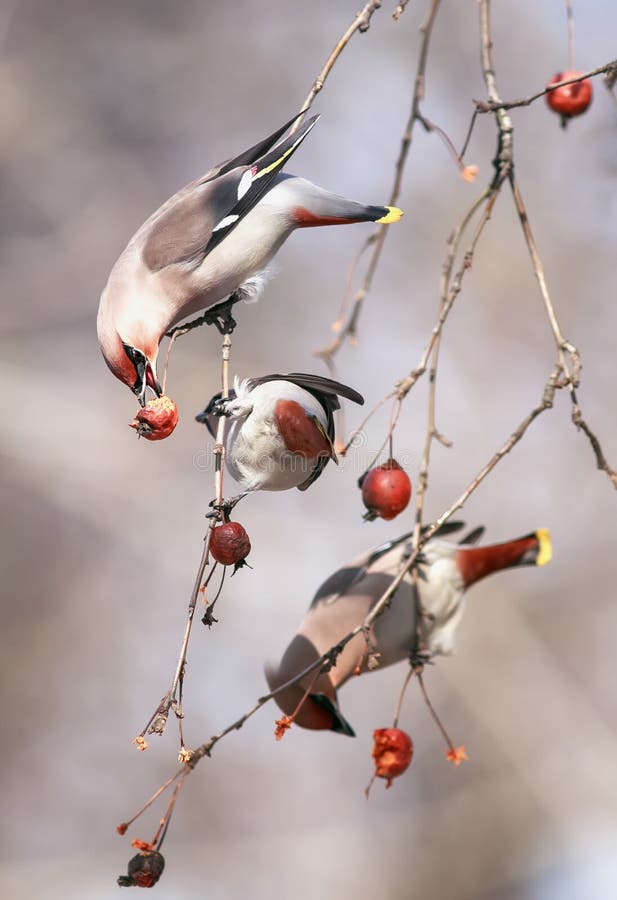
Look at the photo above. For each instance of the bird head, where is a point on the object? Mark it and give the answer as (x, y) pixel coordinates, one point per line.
(132, 361)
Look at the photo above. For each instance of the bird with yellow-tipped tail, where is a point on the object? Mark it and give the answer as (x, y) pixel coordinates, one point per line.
(212, 239)
(445, 569)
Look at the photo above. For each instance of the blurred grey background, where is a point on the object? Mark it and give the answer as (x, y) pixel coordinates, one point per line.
(108, 108)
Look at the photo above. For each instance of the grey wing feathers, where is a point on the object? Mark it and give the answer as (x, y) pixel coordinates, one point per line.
(183, 228)
(196, 219)
(317, 385)
(248, 157)
(473, 536)
(343, 579)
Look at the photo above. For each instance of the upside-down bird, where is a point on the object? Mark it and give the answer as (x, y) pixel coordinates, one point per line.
(281, 433)
(212, 239)
(445, 571)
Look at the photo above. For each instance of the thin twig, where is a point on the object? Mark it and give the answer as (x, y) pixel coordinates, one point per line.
(361, 23)
(328, 658)
(400, 9)
(158, 720)
(487, 197)
(487, 106)
(401, 696)
(568, 357)
(349, 332)
(570, 18)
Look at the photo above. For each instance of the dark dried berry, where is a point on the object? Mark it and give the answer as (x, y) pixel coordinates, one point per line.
(144, 870)
(230, 544)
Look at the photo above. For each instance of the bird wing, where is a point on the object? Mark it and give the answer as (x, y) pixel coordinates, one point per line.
(326, 391)
(474, 536)
(344, 579)
(195, 221)
(250, 156)
(323, 389)
(322, 461)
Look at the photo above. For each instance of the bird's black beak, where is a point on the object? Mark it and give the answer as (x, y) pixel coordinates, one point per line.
(146, 374)
(146, 378)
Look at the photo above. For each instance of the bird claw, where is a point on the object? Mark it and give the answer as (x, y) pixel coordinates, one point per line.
(220, 316)
(219, 408)
(224, 508)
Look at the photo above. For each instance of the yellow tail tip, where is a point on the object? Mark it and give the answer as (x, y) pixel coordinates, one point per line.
(545, 548)
(394, 214)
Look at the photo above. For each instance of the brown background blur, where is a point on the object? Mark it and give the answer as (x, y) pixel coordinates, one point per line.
(107, 108)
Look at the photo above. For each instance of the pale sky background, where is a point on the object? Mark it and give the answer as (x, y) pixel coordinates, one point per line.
(108, 108)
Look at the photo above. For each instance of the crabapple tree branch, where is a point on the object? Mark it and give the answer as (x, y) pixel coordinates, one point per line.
(328, 659)
(361, 23)
(457, 262)
(171, 700)
(491, 105)
(349, 330)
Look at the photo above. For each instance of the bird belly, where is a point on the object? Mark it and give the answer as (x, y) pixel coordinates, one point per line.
(262, 462)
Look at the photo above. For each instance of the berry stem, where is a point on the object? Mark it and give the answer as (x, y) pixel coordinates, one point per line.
(570, 18)
(154, 797)
(397, 711)
(433, 712)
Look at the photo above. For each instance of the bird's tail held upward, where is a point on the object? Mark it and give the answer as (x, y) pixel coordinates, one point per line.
(531, 550)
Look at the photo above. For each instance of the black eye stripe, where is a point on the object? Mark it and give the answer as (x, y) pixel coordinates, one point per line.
(136, 356)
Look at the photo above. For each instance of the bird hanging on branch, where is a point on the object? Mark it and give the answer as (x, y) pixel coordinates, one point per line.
(445, 571)
(212, 240)
(281, 431)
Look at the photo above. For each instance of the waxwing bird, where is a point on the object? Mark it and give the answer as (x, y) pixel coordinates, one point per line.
(281, 433)
(212, 239)
(446, 570)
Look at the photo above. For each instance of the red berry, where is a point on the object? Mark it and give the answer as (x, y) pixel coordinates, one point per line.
(392, 752)
(386, 490)
(157, 419)
(144, 870)
(571, 99)
(230, 544)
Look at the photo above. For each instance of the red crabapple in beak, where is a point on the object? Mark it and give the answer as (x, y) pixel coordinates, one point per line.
(157, 419)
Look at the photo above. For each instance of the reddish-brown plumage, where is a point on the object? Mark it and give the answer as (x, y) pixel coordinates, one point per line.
(475, 563)
(299, 431)
(304, 218)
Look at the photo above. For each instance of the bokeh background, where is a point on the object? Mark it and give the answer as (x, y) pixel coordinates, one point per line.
(107, 108)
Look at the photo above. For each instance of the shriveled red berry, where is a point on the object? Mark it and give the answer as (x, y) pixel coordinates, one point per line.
(392, 752)
(570, 99)
(386, 490)
(144, 870)
(230, 544)
(157, 419)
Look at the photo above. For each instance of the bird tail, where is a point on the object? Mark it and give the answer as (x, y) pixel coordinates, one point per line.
(533, 549)
(315, 206)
